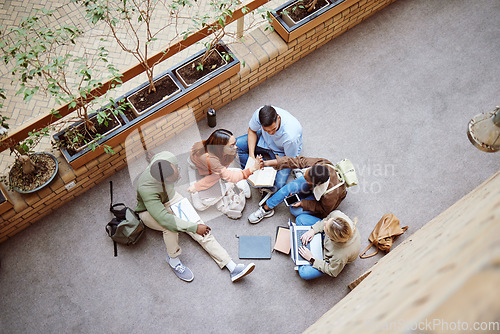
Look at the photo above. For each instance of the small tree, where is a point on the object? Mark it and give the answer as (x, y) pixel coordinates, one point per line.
(217, 21)
(28, 166)
(41, 61)
(130, 24)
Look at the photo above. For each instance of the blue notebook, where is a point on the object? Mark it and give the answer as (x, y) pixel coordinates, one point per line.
(254, 247)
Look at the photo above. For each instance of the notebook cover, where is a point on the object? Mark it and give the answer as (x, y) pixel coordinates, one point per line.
(254, 247)
(282, 240)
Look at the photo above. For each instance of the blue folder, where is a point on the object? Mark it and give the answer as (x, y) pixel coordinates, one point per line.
(254, 247)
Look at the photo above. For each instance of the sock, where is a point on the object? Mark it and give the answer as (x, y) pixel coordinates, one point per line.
(173, 261)
(230, 266)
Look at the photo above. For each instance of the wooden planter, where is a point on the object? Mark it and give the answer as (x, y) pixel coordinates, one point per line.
(290, 30)
(160, 109)
(142, 89)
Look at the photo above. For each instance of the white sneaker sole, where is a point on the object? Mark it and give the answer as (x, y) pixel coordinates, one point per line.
(245, 272)
(267, 215)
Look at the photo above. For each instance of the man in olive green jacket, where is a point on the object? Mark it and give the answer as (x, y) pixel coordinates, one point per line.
(155, 195)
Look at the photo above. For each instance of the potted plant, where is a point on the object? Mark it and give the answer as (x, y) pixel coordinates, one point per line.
(215, 55)
(300, 10)
(295, 17)
(42, 61)
(130, 25)
(31, 171)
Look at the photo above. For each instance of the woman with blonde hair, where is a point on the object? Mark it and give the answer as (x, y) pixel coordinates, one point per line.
(341, 244)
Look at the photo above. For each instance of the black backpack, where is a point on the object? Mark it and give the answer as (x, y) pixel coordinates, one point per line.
(126, 227)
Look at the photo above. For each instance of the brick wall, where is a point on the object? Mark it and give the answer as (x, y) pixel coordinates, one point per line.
(264, 53)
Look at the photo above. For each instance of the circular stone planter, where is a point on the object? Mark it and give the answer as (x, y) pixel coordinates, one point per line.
(56, 169)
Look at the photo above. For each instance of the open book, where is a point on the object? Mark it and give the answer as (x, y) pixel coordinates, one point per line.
(185, 211)
(262, 177)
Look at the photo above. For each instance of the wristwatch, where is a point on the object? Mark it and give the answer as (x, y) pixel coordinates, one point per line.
(311, 261)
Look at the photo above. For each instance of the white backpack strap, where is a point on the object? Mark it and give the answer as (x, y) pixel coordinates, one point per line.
(339, 176)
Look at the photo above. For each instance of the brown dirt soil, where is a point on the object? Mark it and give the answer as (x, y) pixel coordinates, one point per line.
(143, 100)
(45, 168)
(87, 137)
(298, 11)
(129, 113)
(190, 74)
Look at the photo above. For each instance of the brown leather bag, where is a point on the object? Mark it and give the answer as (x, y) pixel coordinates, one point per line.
(384, 234)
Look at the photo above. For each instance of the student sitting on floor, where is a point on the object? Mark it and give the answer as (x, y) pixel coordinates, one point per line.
(341, 244)
(212, 158)
(320, 189)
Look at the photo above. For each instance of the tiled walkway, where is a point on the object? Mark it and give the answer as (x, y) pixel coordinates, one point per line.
(69, 13)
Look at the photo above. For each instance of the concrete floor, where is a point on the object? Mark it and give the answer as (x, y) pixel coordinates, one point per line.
(394, 95)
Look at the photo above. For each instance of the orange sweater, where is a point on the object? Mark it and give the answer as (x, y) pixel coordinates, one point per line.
(214, 168)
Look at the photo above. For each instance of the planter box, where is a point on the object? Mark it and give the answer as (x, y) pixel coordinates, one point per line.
(290, 22)
(145, 87)
(290, 30)
(160, 109)
(5, 204)
(85, 154)
(195, 60)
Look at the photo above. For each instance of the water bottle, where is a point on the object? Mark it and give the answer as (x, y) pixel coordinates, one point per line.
(211, 118)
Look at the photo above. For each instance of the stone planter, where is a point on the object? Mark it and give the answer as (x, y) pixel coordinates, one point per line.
(44, 184)
(289, 30)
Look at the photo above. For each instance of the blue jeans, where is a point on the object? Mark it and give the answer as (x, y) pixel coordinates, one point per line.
(242, 150)
(298, 186)
(308, 272)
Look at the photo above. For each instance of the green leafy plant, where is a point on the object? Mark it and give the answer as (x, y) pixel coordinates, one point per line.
(131, 25)
(42, 60)
(217, 19)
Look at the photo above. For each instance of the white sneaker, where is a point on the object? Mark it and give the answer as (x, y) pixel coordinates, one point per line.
(241, 271)
(260, 214)
(243, 186)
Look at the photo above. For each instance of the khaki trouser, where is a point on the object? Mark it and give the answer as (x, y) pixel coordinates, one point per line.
(171, 239)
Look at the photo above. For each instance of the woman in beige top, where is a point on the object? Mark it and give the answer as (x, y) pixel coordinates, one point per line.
(341, 244)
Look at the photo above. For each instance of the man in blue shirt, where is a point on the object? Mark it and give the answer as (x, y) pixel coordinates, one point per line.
(271, 131)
